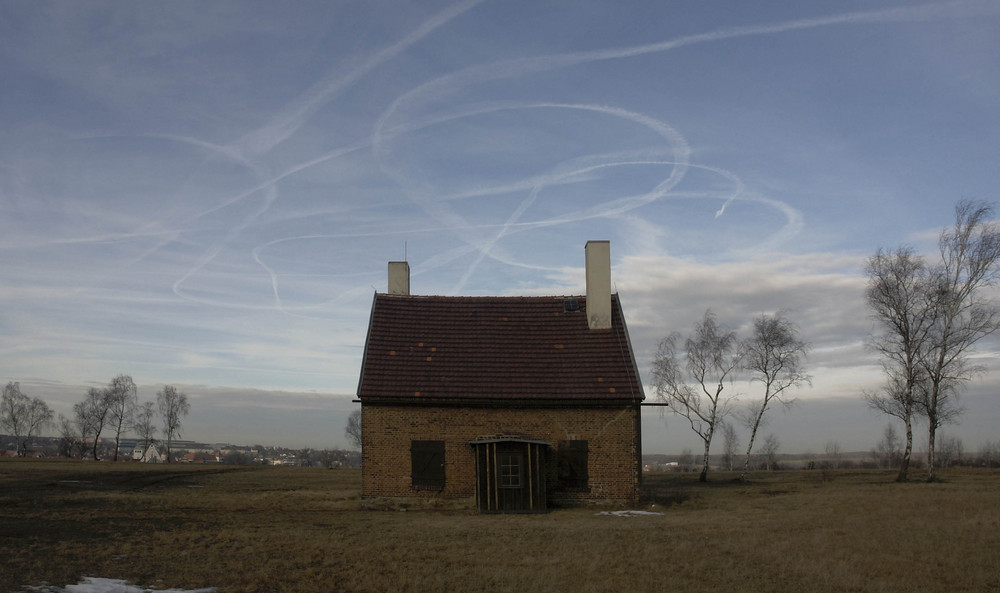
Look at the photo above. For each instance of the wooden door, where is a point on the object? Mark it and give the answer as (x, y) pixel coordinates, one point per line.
(510, 476)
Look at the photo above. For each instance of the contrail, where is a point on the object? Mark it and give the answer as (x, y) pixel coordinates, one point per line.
(522, 66)
(263, 139)
(286, 124)
(267, 137)
(678, 145)
(438, 88)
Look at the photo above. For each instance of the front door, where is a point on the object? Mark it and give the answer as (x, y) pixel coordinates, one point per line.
(511, 480)
(510, 476)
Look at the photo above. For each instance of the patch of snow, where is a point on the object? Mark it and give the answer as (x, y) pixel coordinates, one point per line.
(630, 513)
(99, 585)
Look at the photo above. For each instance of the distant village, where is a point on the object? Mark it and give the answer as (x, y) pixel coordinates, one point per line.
(131, 451)
(135, 451)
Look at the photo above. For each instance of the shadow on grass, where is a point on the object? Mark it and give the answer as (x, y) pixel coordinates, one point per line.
(665, 497)
(666, 489)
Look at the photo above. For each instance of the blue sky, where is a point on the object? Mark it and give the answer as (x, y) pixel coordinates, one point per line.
(206, 194)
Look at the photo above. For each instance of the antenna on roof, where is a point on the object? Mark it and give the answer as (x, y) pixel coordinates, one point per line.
(404, 251)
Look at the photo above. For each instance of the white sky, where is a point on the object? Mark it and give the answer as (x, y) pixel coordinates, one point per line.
(206, 194)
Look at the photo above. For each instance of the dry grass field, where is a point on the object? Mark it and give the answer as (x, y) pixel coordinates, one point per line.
(288, 529)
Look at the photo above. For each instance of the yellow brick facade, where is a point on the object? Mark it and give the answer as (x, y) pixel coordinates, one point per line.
(612, 434)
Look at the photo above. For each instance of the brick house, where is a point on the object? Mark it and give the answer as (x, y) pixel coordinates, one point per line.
(518, 403)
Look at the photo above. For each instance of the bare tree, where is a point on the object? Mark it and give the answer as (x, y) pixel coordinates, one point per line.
(949, 450)
(834, 454)
(92, 416)
(327, 458)
(774, 356)
(970, 251)
(82, 424)
(769, 452)
(122, 399)
(39, 418)
(901, 298)
(145, 424)
(694, 385)
(353, 429)
(70, 444)
(173, 405)
(989, 454)
(685, 461)
(730, 445)
(23, 416)
(887, 451)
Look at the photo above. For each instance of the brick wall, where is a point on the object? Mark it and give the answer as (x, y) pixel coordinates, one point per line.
(612, 435)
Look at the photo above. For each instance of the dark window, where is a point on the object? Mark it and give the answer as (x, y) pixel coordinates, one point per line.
(510, 470)
(427, 464)
(573, 465)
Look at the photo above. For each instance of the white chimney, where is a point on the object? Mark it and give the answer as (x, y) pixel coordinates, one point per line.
(598, 284)
(399, 277)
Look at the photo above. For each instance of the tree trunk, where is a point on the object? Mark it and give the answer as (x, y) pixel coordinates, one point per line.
(904, 464)
(746, 467)
(704, 464)
(753, 436)
(97, 440)
(932, 424)
(931, 435)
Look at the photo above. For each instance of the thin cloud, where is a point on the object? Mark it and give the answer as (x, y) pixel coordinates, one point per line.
(176, 199)
(288, 122)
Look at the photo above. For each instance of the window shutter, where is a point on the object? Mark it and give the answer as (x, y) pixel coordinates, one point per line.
(427, 464)
(572, 462)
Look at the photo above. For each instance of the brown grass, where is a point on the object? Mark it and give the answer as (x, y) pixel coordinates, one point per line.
(288, 529)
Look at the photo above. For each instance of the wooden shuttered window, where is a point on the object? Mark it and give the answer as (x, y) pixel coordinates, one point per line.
(572, 465)
(427, 464)
(511, 465)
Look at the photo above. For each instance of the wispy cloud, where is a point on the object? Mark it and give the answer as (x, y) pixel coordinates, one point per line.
(209, 197)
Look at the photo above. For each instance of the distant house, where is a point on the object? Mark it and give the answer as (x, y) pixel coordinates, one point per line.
(150, 455)
(517, 403)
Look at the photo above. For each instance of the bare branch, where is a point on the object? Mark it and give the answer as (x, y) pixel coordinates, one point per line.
(173, 405)
(696, 388)
(774, 356)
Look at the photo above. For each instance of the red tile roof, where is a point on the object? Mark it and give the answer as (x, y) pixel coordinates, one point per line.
(468, 349)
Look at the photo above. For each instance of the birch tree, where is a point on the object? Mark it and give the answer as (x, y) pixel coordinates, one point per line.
(901, 297)
(730, 446)
(121, 395)
(774, 356)
(23, 416)
(970, 251)
(173, 405)
(693, 381)
(92, 416)
(145, 424)
(70, 444)
(887, 451)
(769, 452)
(834, 454)
(353, 429)
(930, 318)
